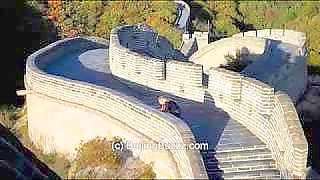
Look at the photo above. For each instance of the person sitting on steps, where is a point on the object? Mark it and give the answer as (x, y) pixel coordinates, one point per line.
(167, 105)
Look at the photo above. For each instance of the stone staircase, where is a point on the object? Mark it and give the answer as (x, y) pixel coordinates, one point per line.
(248, 163)
(239, 154)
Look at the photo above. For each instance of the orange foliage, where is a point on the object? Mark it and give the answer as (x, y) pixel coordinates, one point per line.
(53, 12)
(153, 20)
(55, 3)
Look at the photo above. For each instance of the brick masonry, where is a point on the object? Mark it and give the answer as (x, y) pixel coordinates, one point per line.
(269, 115)
(145, 120)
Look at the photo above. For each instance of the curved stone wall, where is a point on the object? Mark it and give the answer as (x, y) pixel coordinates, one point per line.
(139, 117)
(213, 54)
(270, 115)
(177, 77)
(288, 36)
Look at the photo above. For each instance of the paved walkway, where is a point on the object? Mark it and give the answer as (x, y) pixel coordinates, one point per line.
(208, 124)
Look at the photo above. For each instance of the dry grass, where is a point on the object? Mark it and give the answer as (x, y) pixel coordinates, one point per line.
(147, 173)
(95, 153)
(9, 114)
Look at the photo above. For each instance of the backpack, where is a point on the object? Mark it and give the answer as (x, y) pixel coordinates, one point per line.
(173, 108)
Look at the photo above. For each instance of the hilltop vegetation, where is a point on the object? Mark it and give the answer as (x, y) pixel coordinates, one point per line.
(229, 17)
(98, 18)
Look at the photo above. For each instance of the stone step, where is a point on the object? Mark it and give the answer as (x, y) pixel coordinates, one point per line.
(254, 157)
(258, 157)
(256, 177)
(225, 148)
(235, 148)
(259, 173)
(241, 165)
(248, 168)
(245, 164)
(244, 152)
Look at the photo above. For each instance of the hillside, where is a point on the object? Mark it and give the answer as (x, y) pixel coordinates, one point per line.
(98, 18)
(229, 17)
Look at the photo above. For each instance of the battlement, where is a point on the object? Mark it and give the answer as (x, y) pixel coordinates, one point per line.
(98, 103)
(264, 112)
(217, 50)
(284, 35)
(268, 114)
(247, 100)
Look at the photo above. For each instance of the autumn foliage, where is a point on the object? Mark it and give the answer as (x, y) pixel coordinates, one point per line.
(98, 18)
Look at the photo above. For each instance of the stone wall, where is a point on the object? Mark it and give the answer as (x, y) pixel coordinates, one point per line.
(247, 100)
(288, 36)
(128, 111)
(291, 75)
(180, 78)
(271, 116)
(213, 54)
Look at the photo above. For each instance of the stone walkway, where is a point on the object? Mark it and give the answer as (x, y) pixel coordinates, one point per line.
(208, 124)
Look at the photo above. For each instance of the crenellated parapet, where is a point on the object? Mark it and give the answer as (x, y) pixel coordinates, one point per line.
(270, 115)
(284, 35)
(129, 111)
(213, 54)
(181, 78)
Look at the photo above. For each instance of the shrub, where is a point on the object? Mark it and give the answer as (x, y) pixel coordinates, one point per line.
(147, 173)
(9, 114)
(234, 63)
(97, 152)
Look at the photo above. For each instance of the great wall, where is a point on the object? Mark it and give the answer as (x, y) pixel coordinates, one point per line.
(84, 87)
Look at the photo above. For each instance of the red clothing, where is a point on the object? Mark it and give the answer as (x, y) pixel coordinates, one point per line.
(164, 107)
(171, 107)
